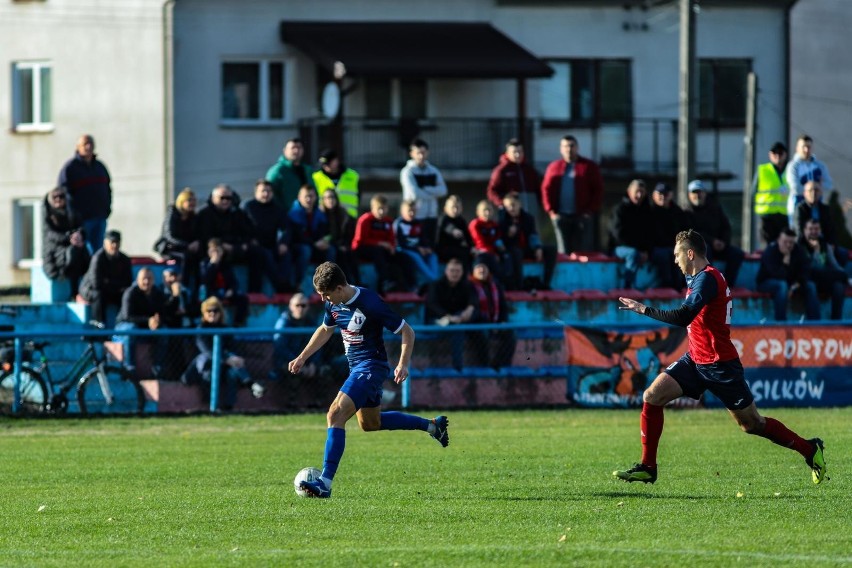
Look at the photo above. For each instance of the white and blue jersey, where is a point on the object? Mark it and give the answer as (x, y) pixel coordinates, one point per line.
(362, 320)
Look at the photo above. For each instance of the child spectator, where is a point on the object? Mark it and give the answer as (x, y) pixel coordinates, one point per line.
(234, 372)
(452, 237)
(64, 252)
(341, 227)
(375, 242)
(309, 237)
(413, 241)
(219, 280)
(487, 240)
(523, 242)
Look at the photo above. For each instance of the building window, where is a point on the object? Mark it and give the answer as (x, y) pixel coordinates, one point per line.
(253, 92)
(395, 98)
(27, 235)
(722, 87)
(587, 92)
(31, 95)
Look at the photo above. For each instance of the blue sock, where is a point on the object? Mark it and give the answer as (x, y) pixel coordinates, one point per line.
(334, 445)
(402, 421)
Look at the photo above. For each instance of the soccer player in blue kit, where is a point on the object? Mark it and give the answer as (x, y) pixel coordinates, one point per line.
(361, 316)
(711, 363)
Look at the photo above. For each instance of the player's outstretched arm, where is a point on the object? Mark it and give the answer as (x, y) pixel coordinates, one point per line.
(632, 305)
(317, 340)
(401, 371)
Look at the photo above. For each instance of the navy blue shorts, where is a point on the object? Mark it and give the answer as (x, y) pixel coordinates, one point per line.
(725, 379)
(364, 385)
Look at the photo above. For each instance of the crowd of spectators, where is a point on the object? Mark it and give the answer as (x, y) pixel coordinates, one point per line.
(300, 215)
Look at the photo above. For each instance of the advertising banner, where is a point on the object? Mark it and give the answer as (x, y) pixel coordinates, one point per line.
(784, 366)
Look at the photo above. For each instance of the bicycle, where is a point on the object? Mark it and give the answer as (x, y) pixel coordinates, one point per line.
(101, 388)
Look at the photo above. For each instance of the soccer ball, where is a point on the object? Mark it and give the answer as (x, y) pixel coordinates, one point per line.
(307, 474)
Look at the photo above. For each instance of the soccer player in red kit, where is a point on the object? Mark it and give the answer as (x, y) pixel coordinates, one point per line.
(711, 363)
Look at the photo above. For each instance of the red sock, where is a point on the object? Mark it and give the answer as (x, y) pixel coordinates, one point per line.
(651, 426)
(783, 436)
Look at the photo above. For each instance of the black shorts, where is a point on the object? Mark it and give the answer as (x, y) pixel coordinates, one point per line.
(725, 379)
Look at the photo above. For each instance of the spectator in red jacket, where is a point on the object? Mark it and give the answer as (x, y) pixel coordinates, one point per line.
(375, 242)
(488, 241)
(514, 175)
(572, 195)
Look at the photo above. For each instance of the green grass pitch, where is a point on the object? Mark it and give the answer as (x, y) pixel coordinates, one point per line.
(529, 488)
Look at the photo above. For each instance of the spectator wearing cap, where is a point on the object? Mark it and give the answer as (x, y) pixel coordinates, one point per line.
(422, 182)
(708, 218)
(221, 219)
(64, 253)
(572, 195)
(804, 167)
(630, 230)
(88, 184)
(667, 220)
(289, 173)
(108, 276)
(334, 175)
(770, 193)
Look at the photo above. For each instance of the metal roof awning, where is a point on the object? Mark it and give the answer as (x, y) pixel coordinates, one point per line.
(415, 49)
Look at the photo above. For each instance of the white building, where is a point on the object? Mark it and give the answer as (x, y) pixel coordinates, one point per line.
(198, 92)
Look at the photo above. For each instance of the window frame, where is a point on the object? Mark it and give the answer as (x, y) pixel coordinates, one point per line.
(264, 94)
(37, 125)
(395, 85)
(715, 122)
(18, 222)
(596, 120)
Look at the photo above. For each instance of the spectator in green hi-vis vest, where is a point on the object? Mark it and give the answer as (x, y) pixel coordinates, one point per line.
(334, 175)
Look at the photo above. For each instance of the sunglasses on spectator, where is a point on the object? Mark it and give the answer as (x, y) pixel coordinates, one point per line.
(226, 197)
(213, 311)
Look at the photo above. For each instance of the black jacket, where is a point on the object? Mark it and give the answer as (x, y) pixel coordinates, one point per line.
(270, 223)
(137, 306)
(341, 226)
(445, 237)
(805, 211)
(772, 265)
(526, 237)
(710, 220)
(113, 275)
(666, 223)
(177, 232)
(631, 225)
(442, 299)
(88, 186)
(232, 226)
(57, 227)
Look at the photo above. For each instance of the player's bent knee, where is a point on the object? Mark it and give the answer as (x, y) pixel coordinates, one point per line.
(370, 426)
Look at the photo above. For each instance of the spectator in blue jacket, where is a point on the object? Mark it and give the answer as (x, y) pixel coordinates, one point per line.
(522, 241)
(271, 235)
(88, 184)
(310, 236)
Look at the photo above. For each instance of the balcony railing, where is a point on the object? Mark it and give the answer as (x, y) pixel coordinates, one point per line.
(643, 146)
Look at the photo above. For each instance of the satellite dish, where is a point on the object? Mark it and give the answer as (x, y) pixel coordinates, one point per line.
(331, 100)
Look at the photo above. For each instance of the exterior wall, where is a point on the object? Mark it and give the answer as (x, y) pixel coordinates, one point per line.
(210, 31)
(821, 86)
(107, 81)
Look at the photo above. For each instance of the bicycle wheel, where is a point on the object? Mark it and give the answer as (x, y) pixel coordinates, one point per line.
(33, 393)
(114, 392)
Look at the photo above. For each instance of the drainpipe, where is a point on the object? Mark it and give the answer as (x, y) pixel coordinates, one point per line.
(168, 103)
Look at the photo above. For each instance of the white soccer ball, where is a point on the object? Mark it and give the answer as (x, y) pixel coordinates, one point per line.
(307, 474)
